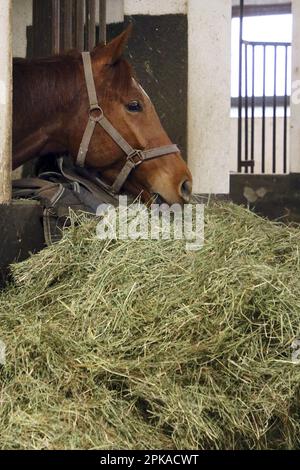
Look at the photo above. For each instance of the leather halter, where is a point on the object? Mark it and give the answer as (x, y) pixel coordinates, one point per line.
(134, 157)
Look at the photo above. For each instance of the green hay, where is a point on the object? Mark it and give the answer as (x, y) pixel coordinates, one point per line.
(140, 344)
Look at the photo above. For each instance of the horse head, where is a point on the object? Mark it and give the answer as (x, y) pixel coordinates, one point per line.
(130, 111)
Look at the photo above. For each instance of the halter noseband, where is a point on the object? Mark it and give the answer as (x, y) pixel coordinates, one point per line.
(134, 157)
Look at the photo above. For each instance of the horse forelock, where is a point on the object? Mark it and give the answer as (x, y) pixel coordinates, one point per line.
(117, 80)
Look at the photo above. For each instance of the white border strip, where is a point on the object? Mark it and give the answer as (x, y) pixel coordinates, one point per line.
(155, 7)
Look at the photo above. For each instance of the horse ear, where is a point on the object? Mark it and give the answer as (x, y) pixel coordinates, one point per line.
(114, 50)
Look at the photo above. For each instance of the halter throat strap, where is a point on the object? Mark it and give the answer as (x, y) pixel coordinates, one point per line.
(134, 157)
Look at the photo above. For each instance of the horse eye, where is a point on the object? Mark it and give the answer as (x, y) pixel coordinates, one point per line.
(134, 107)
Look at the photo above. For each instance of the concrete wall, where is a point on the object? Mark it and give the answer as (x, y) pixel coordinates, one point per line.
(209, 94)
(295, 106)
(155, 7)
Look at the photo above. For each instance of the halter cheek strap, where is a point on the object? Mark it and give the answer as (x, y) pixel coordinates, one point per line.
(134, 157)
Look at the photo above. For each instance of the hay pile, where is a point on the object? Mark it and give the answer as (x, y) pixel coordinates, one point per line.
(144, 345)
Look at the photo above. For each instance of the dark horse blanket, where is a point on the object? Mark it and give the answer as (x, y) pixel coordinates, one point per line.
(63, 188)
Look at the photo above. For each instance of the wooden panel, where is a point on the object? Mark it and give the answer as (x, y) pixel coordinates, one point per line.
(79, 33)
(65, 24)
(55, 26)
(102, 21)
(41, 28)
(91, 24)
(68, 16)
(21, 234)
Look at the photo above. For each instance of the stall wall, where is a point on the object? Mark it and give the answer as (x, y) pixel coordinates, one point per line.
(209, 46)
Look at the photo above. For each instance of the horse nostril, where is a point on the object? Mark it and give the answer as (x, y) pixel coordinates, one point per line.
(186, 190)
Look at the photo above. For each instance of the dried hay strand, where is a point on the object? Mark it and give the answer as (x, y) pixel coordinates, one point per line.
(144, 345)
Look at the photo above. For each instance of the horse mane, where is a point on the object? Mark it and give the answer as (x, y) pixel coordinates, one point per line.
(44, 86)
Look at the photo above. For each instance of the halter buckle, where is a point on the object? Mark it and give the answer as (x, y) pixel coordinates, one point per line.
(96, 113)
(136, 157)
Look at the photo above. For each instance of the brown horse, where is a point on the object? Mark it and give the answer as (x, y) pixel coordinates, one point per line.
(51, 111)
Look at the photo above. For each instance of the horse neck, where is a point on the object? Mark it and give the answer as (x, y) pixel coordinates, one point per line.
(43, 89)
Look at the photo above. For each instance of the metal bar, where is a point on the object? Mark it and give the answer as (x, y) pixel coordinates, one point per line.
(260, 10)
(258, 101)
(274, 110)
(246, 108)
(68, 11)
(239, 150)
(102, 21)
(79, 34)
(248, 164)
(263, 145)
(285, 114)
(253, 108)
(266, 43)
(55, 26)
(91, 23)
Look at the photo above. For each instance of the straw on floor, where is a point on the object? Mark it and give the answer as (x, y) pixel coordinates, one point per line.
(142, 344)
